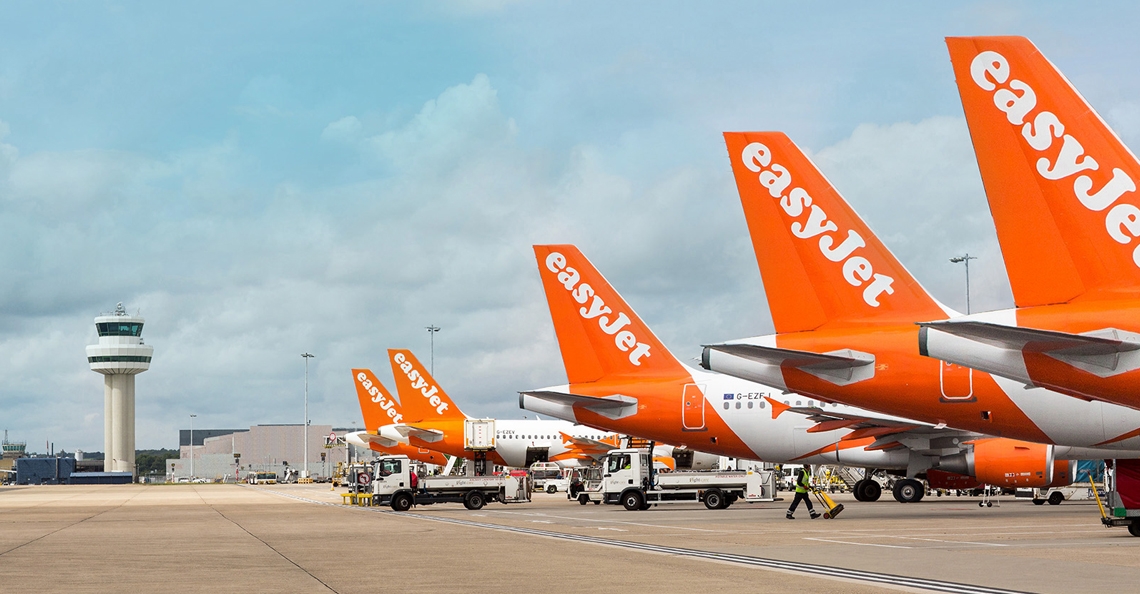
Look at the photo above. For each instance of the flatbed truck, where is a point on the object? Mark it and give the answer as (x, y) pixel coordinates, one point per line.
(628, 481)
(392, 486)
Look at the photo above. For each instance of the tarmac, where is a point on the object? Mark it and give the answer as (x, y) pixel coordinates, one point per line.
(301, 538)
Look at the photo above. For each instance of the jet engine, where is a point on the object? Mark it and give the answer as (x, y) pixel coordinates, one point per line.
(1009, 463)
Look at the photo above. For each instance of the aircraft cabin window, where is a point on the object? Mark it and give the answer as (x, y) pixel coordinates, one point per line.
(761, 404)
(725, 406)
(738, 406)
(749, 404)
(810, 404)
(798, 402)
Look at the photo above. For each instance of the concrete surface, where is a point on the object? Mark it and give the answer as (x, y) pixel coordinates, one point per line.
(299, 538)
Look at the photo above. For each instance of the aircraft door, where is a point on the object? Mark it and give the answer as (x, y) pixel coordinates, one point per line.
(957, 382)
(536, 455)
(693, 408)
(683, 458)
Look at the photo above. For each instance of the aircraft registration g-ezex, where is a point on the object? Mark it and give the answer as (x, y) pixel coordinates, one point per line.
(433, 421)
(622, 378)
(845, 312)
(1062, 191)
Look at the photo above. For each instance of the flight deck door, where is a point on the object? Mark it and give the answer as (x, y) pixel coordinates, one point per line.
(693, 408)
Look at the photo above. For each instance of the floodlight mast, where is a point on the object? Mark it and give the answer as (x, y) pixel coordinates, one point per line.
(305, 430)
(965, 260)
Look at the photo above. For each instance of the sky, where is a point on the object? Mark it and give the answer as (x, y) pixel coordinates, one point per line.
(264, 179)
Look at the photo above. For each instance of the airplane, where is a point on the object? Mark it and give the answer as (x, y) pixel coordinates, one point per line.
(845, 313)
(380, 408)
(435, 422)
(622, 378)
(1062, 191)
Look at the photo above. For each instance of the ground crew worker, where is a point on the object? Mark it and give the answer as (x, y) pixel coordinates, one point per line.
(803, 485)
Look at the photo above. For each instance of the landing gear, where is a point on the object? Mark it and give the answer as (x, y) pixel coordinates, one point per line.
(868, 490)
(908, 491)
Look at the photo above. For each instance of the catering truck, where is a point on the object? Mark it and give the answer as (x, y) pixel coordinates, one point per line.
(630, 481)
(392, 484)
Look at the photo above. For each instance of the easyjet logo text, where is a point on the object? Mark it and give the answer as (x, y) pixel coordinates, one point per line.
(428, 391)
(625, 340)
(810, 221)
(991, 72)
(387, 404)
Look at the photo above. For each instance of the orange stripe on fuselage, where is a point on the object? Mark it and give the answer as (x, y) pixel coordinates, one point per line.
(838, 446)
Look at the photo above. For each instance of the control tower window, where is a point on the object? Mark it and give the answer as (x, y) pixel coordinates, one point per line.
(119, 329)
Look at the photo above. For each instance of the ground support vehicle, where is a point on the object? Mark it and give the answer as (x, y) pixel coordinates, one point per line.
(1121, 504)
(392, 485)
(1057, 495)
(629, 481)
(261, 477)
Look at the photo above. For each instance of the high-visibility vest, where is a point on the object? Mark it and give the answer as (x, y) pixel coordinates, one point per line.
(805, 478)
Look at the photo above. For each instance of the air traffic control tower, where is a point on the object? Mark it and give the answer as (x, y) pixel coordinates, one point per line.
(119, 356)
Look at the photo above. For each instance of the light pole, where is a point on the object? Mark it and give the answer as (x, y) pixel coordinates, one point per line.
(966, 260)
(192, 417)
(431, 331)
(305, 472)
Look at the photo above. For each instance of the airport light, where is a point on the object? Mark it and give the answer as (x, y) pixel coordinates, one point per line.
(192, 417)
(305, 429)
(431, 331)
(966, 260)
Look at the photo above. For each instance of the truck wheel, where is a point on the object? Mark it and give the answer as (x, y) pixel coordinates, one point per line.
(632, 500)
(714, 499)
(402, 502)
(583, 498)
(474, 500)
(1056, 497)
(908, 491)
(1038, 502)
(551, 489)
(1134, 529)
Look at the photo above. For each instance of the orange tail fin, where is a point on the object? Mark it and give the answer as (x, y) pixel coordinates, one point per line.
(599, 334)
(376, 402)
(1061, 184)
(421, 397)
(820, 263)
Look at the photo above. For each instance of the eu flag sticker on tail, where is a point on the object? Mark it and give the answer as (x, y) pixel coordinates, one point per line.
(730, 396)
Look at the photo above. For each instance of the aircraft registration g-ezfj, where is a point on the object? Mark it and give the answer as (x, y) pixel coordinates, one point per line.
(1062, 190)
(433, 421)
(845, 312)
(622, 378)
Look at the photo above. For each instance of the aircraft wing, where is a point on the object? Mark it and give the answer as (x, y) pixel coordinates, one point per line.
(615, 406)
(1099, 352)
(428, 435)
(888, 433)
(838, 367)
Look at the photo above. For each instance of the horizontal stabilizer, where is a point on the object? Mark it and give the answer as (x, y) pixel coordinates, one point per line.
(1104, 353)
(428, 435)
(379, 440)
(614, 407)
(841, 367)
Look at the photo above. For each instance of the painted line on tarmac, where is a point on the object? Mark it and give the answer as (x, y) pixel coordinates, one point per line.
(837, 573)
(859, 544)
(607, 521)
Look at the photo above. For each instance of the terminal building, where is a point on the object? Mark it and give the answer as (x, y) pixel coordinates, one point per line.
(228, 454)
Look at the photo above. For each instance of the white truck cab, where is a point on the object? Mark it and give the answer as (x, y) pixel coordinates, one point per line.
(629, 481)
(393, 485)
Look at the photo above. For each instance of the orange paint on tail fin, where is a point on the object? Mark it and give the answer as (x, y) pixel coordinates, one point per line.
(599, 334)
(420, 395)
(1061, 184)
(376, 402)
(821, 265)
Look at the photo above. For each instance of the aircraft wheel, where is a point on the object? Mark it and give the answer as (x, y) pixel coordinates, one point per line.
(908, 491)
(857, 490)
(872, 490)
(402, 502)
(1056, 497)
(474, 500)
(632, 500)
(1134, 529)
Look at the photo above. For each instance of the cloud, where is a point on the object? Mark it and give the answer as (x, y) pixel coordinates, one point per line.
(346, 129)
